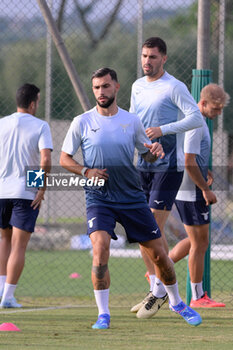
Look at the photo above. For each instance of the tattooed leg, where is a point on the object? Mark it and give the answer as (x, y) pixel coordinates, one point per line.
(100, 277)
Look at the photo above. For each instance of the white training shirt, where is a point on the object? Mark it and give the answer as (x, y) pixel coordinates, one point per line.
(22, 137)
(165, 103)
(197, 142)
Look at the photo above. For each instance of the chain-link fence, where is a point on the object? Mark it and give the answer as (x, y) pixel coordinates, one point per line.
(97, 34)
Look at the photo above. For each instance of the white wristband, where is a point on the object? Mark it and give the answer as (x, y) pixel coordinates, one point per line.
(84, 169)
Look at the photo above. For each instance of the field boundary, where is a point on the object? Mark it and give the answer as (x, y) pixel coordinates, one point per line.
(20, 310)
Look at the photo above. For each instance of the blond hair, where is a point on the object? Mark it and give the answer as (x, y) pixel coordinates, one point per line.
(216, 94)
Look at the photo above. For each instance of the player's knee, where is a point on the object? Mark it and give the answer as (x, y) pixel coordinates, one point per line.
(100, 253)
(201, 245)
(158, 258)
(205, 244)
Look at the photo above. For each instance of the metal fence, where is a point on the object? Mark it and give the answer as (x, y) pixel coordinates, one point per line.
(110, 33)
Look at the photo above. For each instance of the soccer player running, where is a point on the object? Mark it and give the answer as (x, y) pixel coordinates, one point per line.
(195, 196)
(25, 142)
(167, 110)
(108, 136)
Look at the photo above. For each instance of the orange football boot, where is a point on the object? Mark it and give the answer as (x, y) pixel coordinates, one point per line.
(205, 301)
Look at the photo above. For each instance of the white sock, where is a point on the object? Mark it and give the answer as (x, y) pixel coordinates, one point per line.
(2, 282)
(158, 290)
(8, 292)
(152, 282)
(101, 298)
(197, 290)
(173, 294)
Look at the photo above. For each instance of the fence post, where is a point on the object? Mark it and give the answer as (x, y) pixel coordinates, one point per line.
(200, 78)
(66, 60)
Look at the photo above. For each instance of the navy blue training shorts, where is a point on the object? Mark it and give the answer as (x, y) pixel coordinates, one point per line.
(18, 213)
(139, 224)
(193, 213)
(161, 188)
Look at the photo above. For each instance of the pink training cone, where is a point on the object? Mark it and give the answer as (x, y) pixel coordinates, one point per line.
(6, 327)
(75, 275)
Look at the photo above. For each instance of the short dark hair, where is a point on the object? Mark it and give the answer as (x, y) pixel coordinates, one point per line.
(99, 73)
(155, 41)
(26, 94)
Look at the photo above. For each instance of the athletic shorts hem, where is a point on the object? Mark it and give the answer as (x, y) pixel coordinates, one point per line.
(139, 224)
(112, 234)
(18, 213)
(193, 213)
(161, 188)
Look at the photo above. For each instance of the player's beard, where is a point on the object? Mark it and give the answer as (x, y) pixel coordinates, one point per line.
(153, 71)
(107, 103)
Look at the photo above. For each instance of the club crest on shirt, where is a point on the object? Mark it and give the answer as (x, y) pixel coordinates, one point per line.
(124, 127)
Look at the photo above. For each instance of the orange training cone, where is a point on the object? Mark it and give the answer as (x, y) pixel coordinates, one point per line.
(147, 276)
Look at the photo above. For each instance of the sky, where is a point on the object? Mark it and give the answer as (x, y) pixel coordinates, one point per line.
(128, 9)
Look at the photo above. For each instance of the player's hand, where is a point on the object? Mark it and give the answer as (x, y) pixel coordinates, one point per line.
(36, 203)
(209, 197)
(156, 149)
(97, 173)
(154, 132)
(210, 178)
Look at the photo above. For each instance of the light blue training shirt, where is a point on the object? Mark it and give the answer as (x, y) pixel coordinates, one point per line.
(23, 137)
(109, 142)
(166, 103)
(197, 142)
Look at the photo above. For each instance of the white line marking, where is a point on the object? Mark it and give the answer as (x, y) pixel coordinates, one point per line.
(7, 311)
